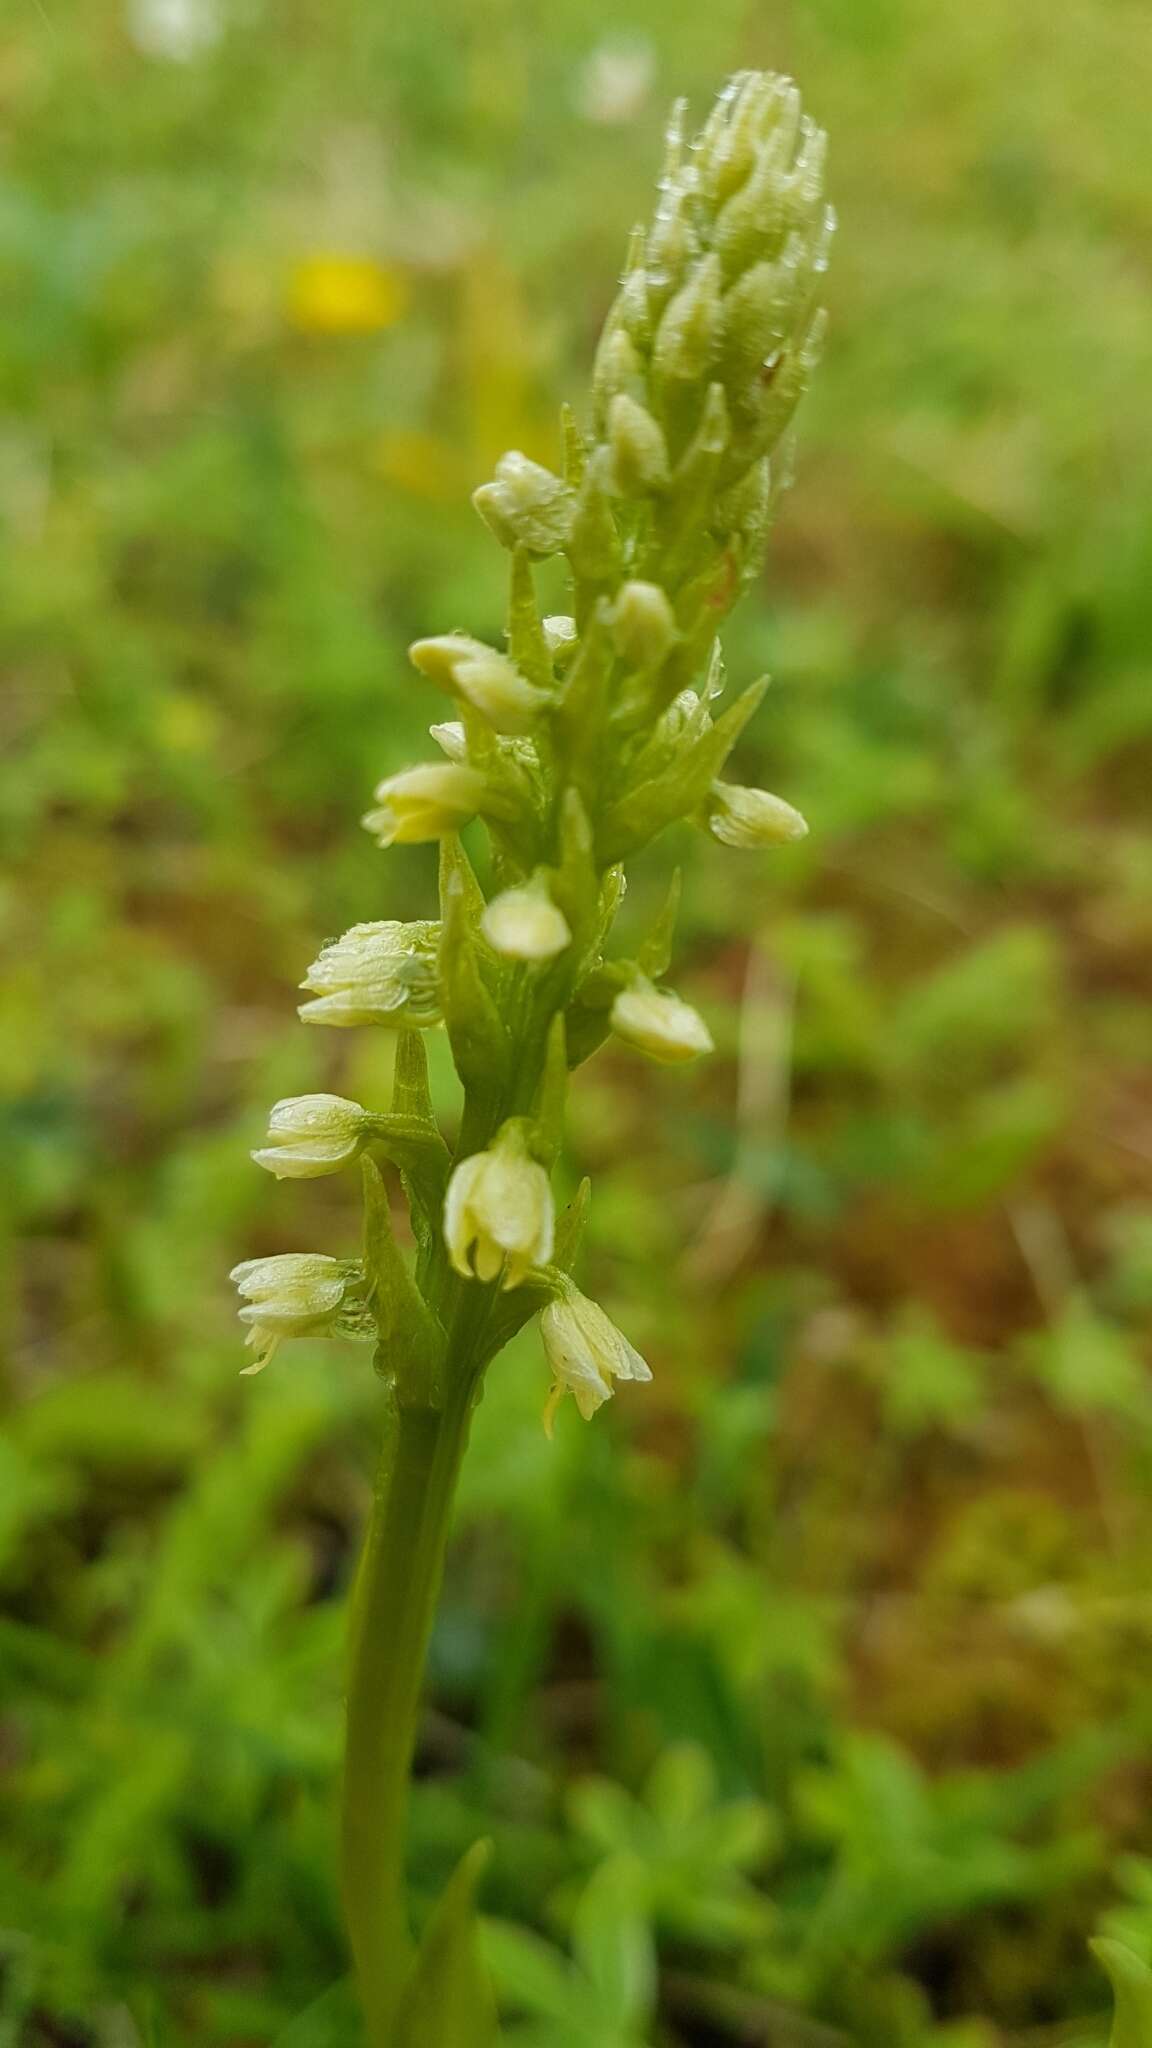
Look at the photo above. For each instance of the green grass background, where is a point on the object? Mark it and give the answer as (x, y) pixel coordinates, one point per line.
(807, 1695)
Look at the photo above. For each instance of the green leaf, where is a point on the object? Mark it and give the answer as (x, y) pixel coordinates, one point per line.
(447, 2002)
(411, 1095)
(593, 545)
(575, 881)
(1132, 1987)
(477, 1036)
(570, 1227)
(655, 955)
(418, 1149)
(677, 789)
(330, 2023)
(532, 1976)
(411, 1340)
(582, 705)
(553, 1095)
(612, 1942)
(525, 634)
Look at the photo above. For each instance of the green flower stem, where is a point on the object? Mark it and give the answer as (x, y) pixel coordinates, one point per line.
(392, 1619)
(394, 1607)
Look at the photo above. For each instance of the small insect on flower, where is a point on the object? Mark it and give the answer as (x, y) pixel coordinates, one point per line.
(380, 973)
(424, 802)
(660, 1024)
(752, 817)
(525, 924)
(297, 1294)
(311, 1134)
(586, 1353)
(498, 1213)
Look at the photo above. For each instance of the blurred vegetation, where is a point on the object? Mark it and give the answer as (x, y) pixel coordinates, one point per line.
(810, 1699)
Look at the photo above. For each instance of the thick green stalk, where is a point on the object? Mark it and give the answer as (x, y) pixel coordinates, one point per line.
(394, 1608)
(392, 1619)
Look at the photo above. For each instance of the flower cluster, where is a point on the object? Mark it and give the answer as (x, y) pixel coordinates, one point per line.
(575, 742)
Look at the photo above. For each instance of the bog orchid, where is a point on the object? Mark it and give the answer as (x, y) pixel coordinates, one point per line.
(381, 973)
(310, 1135)
(576, 742)
(586, 1352)
(298, 1294)
(499, 1220)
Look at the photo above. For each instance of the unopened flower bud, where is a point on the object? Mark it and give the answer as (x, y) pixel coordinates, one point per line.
(761, 310)
(594, 542)
(658, 1023)
(494, 686)
(741, 122)
(756, 218)
(672, 240)
(526, 506)
(618, 368)
(481, 675)
(380, 973)
(643, 626)
(525, 924)
(498, 1213)
(424, 803)
(439, 656)
(299, 1294)
(689, 332)
(585, 1352)
(751, 817)
(639, 450)
(311, 1134)
(561, 639)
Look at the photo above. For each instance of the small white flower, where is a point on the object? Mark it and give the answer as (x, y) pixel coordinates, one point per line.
(525, 924)
(560, 638)
(297, 1294)
(616, 79)
(498, 1213)
(586, 1353)
(751, 817)
(381, 973)
(310, 1135)
(452, 738)
(424, 803)
(658, 1023)
(179, 30)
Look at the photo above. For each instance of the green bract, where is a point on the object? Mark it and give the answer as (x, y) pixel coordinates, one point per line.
(576, 743)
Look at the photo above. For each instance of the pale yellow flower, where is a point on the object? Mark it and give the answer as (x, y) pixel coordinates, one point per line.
(660, 1024)
(525, 924)
(752, 817)
(498, 1213)
(311, 1134)
(586, 1353)
(296, 1294)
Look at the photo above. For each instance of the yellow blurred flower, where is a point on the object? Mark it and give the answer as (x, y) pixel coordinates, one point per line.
(330, 292)
(427, 467)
